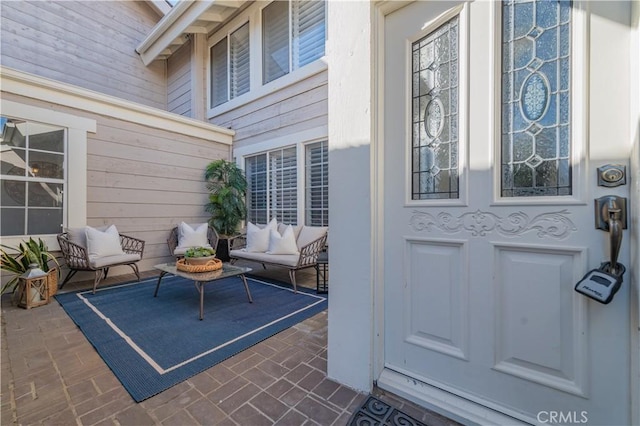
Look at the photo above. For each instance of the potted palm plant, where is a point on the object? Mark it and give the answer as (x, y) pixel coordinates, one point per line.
(16, 261)
(227, 187)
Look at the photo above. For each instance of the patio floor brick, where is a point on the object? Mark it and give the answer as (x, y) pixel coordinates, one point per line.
(51, 375)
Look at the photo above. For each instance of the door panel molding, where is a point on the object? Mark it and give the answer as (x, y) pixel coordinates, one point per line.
(548, 346)
(437, 295)
(479, 223)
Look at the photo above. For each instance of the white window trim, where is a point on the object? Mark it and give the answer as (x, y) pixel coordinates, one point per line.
(75, 200)
(300, 140)
(257, 89)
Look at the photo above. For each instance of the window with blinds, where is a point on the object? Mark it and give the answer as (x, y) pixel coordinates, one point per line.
(317, 184)
(256, 173)
(272, 190)
(283, 185)
(275, 41)
(307, 31)
(293, 35)
(219, 93)
(230, 66)
(239, 66)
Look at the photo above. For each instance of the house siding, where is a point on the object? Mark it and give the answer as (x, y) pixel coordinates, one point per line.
(142, 179)
(179, 81)
(293, 109)
(87, 44)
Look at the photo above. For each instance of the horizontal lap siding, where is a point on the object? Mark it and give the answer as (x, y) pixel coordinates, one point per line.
(87, 44)
(143, 180)
(146, 181)
(296, 108)
(179, 81)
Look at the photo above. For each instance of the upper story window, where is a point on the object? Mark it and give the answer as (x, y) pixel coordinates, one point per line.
(230, 66)
(32, 175)
(293, 35)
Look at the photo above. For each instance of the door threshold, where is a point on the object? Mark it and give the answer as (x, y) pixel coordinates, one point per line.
(453, 406)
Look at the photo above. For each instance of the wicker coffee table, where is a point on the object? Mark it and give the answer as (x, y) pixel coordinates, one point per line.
(202, 278)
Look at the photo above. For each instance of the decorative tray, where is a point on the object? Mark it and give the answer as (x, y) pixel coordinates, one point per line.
(211, 265)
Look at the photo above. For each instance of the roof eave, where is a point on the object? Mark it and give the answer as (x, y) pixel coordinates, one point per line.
(171, 31)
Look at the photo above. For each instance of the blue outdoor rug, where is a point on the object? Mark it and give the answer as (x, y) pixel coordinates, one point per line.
(152, 343)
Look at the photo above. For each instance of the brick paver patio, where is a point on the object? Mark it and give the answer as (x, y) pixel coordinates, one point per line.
(51, 375)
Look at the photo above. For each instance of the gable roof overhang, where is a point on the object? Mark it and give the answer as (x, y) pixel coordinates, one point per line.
(186, 17)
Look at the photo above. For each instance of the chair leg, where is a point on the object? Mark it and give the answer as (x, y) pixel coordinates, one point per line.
(70, 275)
(106, 272)
(135, 270)
(292, 277)
(264, 266)
(99, 275)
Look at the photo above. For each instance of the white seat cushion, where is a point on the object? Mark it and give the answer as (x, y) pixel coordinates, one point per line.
(192, 235)
(103, 243)
(279, 259)
(282, 244)
(102, 261)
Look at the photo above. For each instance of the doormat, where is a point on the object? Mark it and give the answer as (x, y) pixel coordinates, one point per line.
(375, 412)
(152, 343)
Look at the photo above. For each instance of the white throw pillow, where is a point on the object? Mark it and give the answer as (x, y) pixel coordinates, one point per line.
(190, 237)
(257, 238)
(103, 243)
(283, 244)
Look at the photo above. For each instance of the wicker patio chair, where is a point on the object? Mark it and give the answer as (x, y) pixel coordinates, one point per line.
(172, 241)
(77, 258)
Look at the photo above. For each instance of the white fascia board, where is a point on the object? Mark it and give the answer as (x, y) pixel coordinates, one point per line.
(160, 6)
(173, 25)
(32, 86)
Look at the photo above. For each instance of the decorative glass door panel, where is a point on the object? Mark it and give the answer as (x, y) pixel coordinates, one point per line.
(435, 114)
(536, 78)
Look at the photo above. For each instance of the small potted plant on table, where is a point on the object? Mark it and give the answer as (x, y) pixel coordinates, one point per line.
(199, 255)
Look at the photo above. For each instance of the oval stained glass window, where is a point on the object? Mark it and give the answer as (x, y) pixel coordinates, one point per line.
(434, 118)
(534, 97)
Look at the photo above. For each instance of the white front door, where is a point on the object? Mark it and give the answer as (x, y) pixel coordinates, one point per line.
(489, 185)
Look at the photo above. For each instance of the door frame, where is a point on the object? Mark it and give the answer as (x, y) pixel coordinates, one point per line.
(439, 400)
